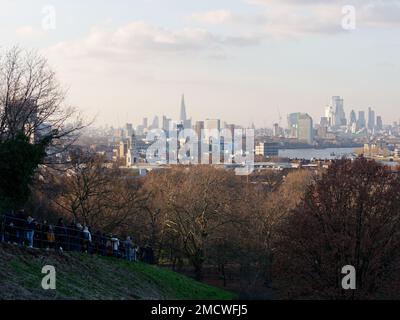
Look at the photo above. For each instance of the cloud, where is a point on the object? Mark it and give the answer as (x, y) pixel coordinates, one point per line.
(278, 20)
(381, 14)
(139, 39)
(28, 32)
(305, 17)
(213, 17)
(224, 16)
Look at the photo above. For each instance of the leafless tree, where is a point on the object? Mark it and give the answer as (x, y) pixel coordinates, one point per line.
(32, 101)
(200, 202)
(98, 196)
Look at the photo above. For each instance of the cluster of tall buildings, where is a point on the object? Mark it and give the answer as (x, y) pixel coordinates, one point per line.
(335, 117)
(133, 144)
(334, 113)
(334, 127)
(334, 122)
(184, 122)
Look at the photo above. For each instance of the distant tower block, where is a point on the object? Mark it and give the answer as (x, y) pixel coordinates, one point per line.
(183, 110)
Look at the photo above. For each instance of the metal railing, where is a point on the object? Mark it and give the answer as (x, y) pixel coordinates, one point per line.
(59, 237)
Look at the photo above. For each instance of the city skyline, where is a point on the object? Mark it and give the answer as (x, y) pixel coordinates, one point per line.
(237, 60)
(225, 151)
(336, 115)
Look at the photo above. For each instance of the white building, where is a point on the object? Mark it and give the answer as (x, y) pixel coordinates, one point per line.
(335, 112)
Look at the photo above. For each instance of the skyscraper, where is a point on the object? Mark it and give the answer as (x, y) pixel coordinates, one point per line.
(353, 117)
(292, 124)
(379, 123)
(361, 120)
(371, 119)
(166, 125)
(183, 117)
(129, 129)
(145, 123)
(335, 112)
(305, 128)
(276, 131)
(156, 123)
(301, 127)
(186, 123)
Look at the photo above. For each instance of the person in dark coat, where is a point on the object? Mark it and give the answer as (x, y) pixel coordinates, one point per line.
(104, 243)
(38, 237)
(44, 229)
(128, 249)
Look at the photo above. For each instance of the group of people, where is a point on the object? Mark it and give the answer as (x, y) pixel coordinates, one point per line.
(24, 230)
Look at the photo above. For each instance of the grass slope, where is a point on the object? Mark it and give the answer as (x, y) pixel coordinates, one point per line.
(82, 276)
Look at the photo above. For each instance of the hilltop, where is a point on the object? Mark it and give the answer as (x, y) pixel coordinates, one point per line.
(91, 277)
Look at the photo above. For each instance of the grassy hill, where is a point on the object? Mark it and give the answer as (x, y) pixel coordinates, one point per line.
(83, 276)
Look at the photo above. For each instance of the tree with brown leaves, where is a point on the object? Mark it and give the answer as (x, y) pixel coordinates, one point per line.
(350, 215)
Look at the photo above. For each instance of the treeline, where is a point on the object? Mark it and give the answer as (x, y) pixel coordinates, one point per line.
(292, 232)
(191, 216)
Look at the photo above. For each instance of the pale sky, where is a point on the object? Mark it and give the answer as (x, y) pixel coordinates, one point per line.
(238, 60)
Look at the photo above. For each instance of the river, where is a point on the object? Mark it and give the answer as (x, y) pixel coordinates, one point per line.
(330, 153)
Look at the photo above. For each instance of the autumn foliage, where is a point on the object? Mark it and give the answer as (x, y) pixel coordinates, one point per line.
(350, 215)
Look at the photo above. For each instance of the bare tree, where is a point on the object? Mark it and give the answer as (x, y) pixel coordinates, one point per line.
(32, 101)
(98, 196)
(200, 201)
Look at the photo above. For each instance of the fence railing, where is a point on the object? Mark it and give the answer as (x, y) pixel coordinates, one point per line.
(66, 238)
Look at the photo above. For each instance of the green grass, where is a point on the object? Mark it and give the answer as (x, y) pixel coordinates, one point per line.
(82, 276)
(178, 286)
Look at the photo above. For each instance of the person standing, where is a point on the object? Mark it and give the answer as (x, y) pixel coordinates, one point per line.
(51, 238)
(115, 245)
(30, 230)
(87, 239)
(129, 249)
(135, 253)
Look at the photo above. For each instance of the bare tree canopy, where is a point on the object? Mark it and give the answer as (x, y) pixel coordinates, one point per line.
(32, 100)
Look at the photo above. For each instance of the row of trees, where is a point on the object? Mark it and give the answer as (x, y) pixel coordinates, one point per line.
(294, 232)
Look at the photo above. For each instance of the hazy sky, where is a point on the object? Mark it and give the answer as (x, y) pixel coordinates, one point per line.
(239, 60)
